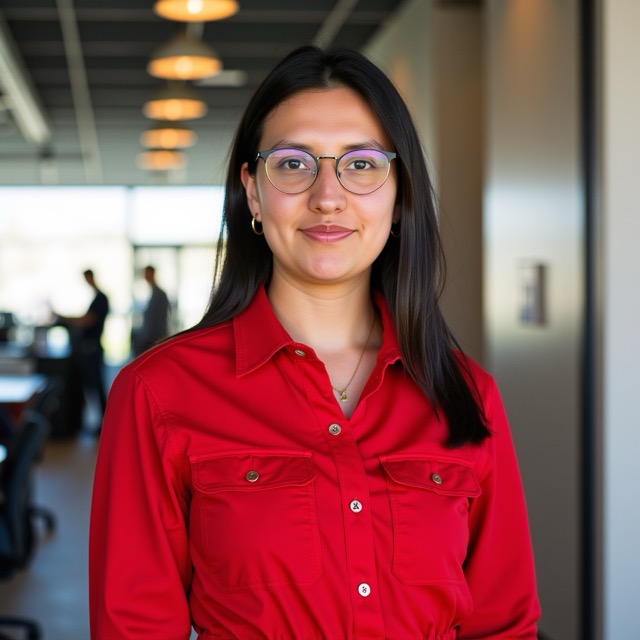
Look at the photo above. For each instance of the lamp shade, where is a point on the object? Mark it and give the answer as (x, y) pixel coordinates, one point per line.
(195, 10)
(167, 135)
(184, 58)
(175, 102)
(161, 159)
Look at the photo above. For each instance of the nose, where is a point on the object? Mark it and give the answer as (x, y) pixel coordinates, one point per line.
(326, 194)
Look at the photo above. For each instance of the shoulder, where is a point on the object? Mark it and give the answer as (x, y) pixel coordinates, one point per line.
(186, 353)
(179, 373)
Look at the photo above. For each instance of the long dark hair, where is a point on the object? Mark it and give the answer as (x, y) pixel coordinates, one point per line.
(410, 269)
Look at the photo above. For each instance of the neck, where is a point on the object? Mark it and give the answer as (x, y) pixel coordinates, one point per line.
(329, 319)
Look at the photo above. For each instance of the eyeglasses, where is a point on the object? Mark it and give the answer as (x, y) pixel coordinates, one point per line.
(293, 170)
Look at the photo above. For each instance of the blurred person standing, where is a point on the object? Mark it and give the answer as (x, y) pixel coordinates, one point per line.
(87, 343)
(155, 317)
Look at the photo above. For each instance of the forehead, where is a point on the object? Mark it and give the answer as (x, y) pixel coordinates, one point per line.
(323, 116)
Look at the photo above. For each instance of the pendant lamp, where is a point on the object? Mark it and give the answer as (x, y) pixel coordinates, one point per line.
(184, 58)
(195, 10)
(175, 102)
(168, 135)
(161, 159)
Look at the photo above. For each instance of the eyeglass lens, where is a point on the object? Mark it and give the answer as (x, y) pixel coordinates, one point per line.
(293, 170)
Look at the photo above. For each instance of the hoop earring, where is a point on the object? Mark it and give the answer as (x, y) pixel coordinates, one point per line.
(395, 233)
(257, 230)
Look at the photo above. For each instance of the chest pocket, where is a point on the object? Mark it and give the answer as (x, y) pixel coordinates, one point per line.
(253, 519)
(430, 500)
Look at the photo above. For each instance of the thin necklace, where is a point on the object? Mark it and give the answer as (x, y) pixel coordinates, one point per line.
(343, 391)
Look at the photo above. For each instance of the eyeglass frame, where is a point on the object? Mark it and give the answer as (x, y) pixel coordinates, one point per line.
(391, 155)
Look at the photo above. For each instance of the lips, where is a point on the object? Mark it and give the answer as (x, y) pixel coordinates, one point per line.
(327, 233)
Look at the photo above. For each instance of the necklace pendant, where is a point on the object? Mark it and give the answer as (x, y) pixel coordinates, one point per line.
(343, 396)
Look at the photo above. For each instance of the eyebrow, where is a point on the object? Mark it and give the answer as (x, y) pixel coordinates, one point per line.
(292, 144)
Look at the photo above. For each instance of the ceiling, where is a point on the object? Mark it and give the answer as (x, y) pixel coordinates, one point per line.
(86, 61)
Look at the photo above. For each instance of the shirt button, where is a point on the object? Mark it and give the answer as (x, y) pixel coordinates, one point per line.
(300, 352)
(252, 476)
(436, 478)
(335, 429)
(364, 590)
(356, 506)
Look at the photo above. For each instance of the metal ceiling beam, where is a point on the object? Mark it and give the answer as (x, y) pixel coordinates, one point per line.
(334, 21)
(19, 92)
(80, 92)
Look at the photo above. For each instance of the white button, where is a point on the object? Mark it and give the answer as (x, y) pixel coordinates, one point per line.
(364, 590)
(252, 476)
(335, 429)
(356, 506)
(300, 352)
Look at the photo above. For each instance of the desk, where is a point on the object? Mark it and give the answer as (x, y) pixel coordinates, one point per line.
(19, 389)
(15, 360)
(16, 391)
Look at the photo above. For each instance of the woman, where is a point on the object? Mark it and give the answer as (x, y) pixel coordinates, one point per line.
(314, 459)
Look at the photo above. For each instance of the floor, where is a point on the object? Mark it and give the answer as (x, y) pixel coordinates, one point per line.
(53, 589)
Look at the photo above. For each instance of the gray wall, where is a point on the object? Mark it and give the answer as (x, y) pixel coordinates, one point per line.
(619, 263)
(459, 94)
(534, 216)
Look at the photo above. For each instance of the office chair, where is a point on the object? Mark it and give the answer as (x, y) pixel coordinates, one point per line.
(16, 526)
(45, 407)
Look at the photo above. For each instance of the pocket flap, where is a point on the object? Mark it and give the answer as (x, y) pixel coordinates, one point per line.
(251, 471)
(442, 476)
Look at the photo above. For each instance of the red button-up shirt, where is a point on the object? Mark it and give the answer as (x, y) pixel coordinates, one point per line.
(232, 493)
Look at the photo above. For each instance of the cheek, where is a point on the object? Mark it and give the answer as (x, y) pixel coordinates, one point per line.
(279, 208)
(266, 196)
(382, 212)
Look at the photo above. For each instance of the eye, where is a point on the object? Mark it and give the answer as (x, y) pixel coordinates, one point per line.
(292, 160)
(360, 161)
(292, 163)
(358, 164)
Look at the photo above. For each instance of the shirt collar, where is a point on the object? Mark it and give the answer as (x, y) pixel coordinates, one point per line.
(259, 335)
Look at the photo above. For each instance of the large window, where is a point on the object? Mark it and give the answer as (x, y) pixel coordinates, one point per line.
(50, 235)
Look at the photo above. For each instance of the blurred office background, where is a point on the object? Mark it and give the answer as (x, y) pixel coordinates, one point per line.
(528, 112)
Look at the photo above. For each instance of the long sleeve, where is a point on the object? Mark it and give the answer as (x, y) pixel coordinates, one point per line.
(499, 546)
(139, 562)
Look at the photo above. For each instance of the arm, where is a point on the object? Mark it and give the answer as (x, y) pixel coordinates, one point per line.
(96, 313)
(499, 567)
(87, 320)
(139, 565)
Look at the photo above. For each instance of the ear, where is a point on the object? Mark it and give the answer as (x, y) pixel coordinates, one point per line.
(251, 190)
(396, 214)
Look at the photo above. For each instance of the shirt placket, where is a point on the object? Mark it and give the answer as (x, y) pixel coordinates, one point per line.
(356, 503)
(340, 435)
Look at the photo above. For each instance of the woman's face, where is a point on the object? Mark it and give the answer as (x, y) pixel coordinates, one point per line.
(326, 234)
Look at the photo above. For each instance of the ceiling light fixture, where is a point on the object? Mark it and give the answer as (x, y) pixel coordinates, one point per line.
(195, 10)
(184, 58)
(161, 160)
(165, 135)
(175, 102)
